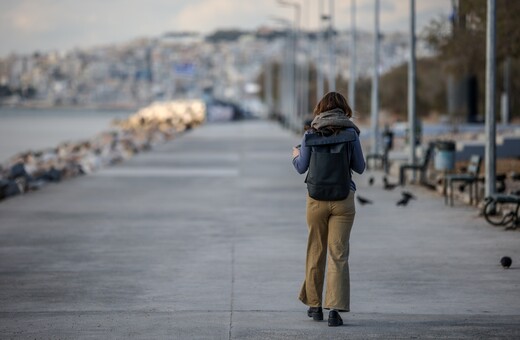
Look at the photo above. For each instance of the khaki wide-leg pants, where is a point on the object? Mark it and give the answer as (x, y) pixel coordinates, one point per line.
(329, 224)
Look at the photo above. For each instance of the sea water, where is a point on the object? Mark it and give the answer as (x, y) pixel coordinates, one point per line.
(36, 129)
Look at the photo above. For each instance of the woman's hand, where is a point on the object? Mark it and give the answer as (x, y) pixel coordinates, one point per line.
(295, 152)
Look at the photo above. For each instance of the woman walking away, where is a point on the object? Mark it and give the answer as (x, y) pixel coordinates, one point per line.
(330, 150)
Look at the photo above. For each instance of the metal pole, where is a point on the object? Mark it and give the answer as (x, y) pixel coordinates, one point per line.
(319, 69)
(290, 79)
(490, 100)
(283, 104)
(332, 48)
(305, 86)
(507, 91)
(268, 86)
(286, 78)
(305, 66)
(375, 83)
(281, 83)
(352, 82)
(293, 88)
(412, 124)
(296, 75)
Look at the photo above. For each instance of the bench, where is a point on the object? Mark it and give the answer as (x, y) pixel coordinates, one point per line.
(421, 166)
(376, 157)
(495, 210)
(470, 177)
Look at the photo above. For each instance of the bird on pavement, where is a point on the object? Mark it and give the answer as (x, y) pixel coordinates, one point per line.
(363, 200)
(406, 197)
(371, 181)
(506, 262)
(403, 202)
(387, 185)
(409, 195)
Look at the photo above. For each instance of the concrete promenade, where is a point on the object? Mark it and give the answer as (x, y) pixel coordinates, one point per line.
(204, 238)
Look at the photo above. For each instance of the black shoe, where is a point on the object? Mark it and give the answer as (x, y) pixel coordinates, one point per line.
(316, 313)
(335, 319)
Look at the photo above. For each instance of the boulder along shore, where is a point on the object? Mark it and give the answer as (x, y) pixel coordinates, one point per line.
(155, 124)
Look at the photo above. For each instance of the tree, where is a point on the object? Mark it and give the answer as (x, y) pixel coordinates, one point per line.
(461, 44)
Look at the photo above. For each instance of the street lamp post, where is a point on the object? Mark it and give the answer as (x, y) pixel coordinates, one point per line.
(375, 84)
(332, 52)
(490, 156)
(352, 82)
(284, 86)
(294, 74)
(412, 87)
(268, 86)
(304, 95)
(319, 69)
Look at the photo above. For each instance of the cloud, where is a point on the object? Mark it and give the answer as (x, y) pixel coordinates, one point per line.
(394, 14)
(29, 25)
(207, 15)
(28, 18)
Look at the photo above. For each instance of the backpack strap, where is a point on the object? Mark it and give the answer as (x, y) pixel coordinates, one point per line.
(315, 139)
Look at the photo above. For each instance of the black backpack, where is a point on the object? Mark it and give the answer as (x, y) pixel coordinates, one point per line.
(329, 175)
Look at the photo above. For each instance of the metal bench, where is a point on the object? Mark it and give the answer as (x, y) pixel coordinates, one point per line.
(470, 177)
(497, 214)
(422, 167)
(375, 157)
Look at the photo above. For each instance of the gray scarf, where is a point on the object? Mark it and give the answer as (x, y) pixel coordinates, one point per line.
(335, 118)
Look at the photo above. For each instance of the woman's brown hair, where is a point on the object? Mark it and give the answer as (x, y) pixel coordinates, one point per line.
(330, 101)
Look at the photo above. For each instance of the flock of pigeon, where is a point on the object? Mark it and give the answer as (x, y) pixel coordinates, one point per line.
(406, 196)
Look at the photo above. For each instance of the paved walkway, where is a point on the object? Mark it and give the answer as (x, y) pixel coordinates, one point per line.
(204, 238)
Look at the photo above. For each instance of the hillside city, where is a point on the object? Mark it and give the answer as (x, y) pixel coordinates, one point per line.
(225, 65)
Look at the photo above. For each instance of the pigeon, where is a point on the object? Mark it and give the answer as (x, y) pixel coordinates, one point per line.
(409, 195)
(387, 185)
(506, 262)
(406, 197)
(462, 187)
(371, 181)
(403, 201)
(363, 200)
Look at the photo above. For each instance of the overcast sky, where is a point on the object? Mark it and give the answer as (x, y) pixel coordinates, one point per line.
(30, 25)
